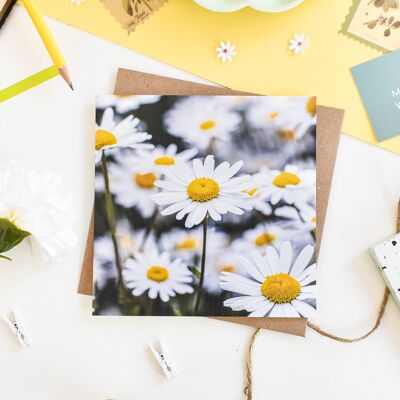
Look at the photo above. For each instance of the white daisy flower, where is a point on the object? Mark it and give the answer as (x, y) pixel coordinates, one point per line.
(130, 241)
(276, 288)
(110, 135)
(286, 117)
(224, 261)
(187, 244)
(129, 244)
(226, 51)
(299, 43)
(258, 199)
(36, 202)
(200, 120)
(262, 236)
(292, 185)
(305, 222)
(158, 274)
(132, 188)
(161, 158)
(202, 190)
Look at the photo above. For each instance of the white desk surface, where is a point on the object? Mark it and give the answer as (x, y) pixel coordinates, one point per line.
(77, 356)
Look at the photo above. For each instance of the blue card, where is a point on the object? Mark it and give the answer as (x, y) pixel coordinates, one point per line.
(378, 82)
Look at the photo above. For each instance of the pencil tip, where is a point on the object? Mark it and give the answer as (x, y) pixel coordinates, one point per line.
(72, 88)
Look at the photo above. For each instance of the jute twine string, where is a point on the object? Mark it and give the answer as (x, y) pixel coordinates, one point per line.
(248, 391)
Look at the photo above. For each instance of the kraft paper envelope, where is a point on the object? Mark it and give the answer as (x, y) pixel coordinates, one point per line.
(329, 123)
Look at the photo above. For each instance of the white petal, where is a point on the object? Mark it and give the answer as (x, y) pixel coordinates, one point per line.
(251, 269)
(198, 168)
(209, 164)
(174, 208)
(302, 261)
(304, 309)
(262, 310)
(285, 258)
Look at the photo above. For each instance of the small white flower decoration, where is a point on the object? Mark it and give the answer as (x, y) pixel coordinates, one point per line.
(77, 2)
(226, 51)
(299, 44)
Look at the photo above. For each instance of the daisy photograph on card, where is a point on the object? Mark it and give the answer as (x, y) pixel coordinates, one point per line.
(205, 206)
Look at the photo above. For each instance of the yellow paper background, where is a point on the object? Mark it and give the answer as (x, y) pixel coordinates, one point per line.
(185, 35)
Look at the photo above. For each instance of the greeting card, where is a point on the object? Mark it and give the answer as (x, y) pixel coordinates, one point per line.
(375, 23)
(378, 82)
(205, 205)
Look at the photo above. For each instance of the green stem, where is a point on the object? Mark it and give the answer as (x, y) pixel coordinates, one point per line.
(203, 267)
(6, 258)
(112, 226)
(149, 228)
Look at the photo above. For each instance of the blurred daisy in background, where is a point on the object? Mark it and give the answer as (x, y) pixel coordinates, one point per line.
(110, 134)
(257, 198)
(187, 244)
(235, 102)
(292, 185)
(161, 158)
(104, 261)
(130, 241)
(133, 102)
(199, 120)
(287, 117)
(132, 188)
(263, 235)
(303, 220)
(202, 190)
(157, 274)
(123, 104)
(226, 260)
(276, 287)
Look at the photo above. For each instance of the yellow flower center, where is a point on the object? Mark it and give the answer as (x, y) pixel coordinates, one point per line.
(104, 138)
(280, 288)
(145, 181)
(203, 189)
(188, 243)
(272, 116)
(157, 273)
(206, 125)
(264, 239)
(164, 161)
(314, 219)
(312, 105)
(228, 268)
(286, 178)
(289, 134)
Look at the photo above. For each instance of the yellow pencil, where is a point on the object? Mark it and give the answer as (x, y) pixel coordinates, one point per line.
(47, 39)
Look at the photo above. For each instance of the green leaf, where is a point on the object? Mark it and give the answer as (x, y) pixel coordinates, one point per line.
(10, 235)
(195, 272)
